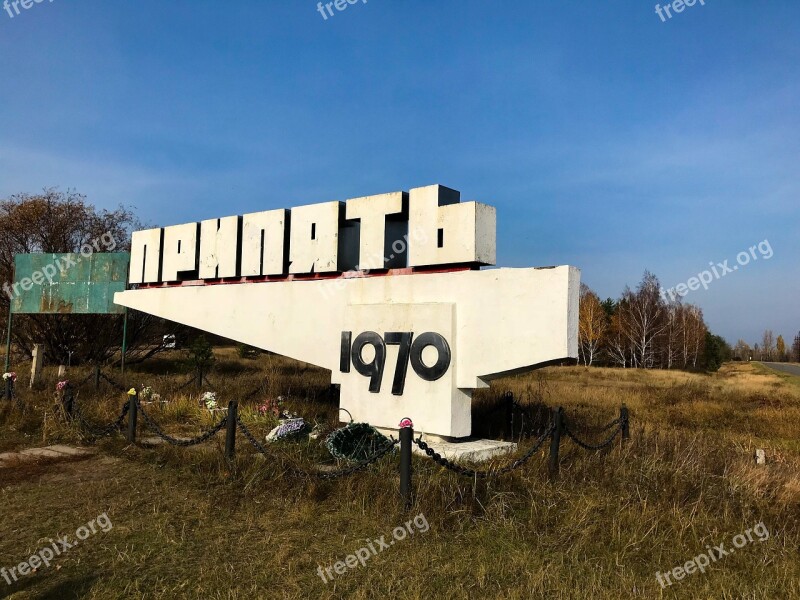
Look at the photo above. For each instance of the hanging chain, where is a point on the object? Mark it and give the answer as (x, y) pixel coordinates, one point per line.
(153, 426)
(440, 460)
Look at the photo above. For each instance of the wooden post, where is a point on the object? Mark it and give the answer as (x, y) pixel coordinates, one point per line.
(406, 440)
(124, 341)
(555, 441)
(199, 376)
(96, 376)
(9, 389)
(37, 364)
(624, 418)
(230, 437)
(132, 417)
(68, 401)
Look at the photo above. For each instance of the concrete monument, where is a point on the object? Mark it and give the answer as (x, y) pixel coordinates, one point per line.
(385, 291)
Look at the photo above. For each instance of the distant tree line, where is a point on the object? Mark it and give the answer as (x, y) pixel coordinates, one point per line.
(771, 349)
(644, 329)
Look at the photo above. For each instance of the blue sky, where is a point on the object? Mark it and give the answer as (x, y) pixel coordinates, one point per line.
(606, 138)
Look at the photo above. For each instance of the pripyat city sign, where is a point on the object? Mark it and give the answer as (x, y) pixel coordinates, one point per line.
(385, 291)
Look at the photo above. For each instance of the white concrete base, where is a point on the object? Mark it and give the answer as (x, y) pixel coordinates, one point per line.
(495, 323)
(470, 450)
(460, 449)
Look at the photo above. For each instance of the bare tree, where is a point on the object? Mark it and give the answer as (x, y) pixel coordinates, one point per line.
(645, 316)
(671, 338)
(767, 345)
(742, 350)
(617, 340)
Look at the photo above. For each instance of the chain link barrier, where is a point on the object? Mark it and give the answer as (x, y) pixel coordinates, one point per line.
(324, 475)
(153, 426)
(456, 468)
(112, 383)
(601, 445)
(618, 424)
(105, 430)
(532, 414)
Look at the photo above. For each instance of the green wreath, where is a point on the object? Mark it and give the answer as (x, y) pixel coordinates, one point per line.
(356, 442)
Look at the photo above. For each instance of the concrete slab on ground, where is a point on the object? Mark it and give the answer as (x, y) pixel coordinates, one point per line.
(460, 449)
(157, 441)
(7, 459)
(469, 450)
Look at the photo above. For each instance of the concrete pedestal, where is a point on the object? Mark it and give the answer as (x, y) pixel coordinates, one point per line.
(460, 449)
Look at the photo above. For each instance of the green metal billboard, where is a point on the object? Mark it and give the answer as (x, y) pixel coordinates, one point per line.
(68, 283)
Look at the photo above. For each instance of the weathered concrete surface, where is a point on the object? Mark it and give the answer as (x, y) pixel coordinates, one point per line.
(465, 449)
(9, 459)
(469, 450)
(496, 322)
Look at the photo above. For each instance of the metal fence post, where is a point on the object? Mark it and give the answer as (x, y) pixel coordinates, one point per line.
(96, 376)
(199, 375)
(132, 410)
(9, 389)
(230, 437)
(624, 419)
(68, 401)
(555, 441)
(508, 400)
(406, 440)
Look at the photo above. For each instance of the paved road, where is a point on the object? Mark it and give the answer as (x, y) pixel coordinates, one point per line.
(786, 368)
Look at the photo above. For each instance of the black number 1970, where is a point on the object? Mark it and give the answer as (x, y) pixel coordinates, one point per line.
(410, 350)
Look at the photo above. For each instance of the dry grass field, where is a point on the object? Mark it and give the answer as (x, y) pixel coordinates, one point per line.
(187, 524)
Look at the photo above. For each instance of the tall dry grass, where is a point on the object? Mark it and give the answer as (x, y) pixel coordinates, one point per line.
(190, 524)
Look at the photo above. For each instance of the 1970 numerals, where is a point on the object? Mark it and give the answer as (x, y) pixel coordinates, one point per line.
(410, 350)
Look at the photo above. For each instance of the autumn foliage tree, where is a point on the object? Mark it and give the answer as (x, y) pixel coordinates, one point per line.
(592, 325)
(644, 329)
(780, 348)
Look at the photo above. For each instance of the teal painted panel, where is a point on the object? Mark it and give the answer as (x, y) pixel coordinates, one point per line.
(68, 283)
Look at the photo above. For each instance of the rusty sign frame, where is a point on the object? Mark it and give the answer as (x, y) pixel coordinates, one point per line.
(69, 283)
